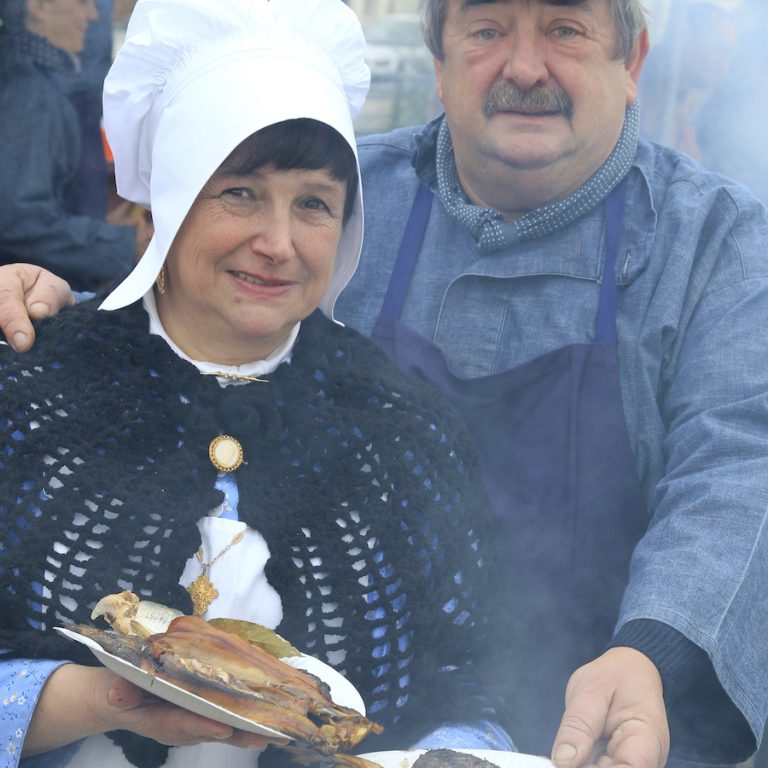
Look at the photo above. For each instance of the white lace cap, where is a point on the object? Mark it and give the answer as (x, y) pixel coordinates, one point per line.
(196, 77)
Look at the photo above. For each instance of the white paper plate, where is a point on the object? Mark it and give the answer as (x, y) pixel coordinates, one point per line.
(342, 691)
(407, 758)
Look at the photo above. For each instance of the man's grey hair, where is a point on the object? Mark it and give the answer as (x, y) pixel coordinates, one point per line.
(629, 20)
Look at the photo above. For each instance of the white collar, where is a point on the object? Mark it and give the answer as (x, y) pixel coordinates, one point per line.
(255, 368)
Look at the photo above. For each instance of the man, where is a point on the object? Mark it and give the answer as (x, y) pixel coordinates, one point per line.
(40, 150)
(594, 305)
(87, 193)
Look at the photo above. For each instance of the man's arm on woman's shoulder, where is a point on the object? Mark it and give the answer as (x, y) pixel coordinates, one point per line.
(29, 292)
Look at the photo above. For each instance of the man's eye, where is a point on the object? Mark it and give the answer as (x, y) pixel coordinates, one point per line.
(486, 34)
(565, 33)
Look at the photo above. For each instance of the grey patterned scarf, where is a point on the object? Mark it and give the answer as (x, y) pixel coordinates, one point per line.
(488, 226)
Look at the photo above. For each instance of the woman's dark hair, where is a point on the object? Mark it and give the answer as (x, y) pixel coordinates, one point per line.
(295, 144)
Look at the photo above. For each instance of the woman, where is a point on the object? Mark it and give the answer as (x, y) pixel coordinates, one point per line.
(40, 150)
(300, 481)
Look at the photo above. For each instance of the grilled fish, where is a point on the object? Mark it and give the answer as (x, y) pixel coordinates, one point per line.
(228, 670)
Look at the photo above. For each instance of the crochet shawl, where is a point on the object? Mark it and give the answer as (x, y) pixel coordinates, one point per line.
(361, 481)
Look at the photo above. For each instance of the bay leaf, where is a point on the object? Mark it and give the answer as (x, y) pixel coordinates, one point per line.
(257, 634)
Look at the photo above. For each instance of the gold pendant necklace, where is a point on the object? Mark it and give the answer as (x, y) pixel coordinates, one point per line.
(202, 590)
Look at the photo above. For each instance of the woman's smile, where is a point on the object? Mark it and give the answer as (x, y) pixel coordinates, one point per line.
(258, 280)
(271, 283)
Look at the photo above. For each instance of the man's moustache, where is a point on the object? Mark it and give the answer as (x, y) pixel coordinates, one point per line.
(506, 97)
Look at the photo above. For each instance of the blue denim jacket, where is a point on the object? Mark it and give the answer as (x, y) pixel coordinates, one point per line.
(39, 152)
(692, 312)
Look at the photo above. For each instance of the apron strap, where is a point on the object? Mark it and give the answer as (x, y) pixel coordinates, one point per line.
(406, 256)
(605, 327)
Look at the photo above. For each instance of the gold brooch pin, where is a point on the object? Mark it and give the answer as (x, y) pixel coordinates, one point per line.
(225, 453)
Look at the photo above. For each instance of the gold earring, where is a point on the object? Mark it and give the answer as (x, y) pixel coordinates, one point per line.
(160, 281)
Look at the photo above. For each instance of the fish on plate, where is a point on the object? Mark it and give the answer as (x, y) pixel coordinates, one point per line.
(235, 665)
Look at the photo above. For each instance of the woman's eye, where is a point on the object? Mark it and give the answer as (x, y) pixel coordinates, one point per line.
(237, 192)
(316, 204)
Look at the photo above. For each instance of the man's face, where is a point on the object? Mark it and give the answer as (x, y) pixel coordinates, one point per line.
(533, 86)
(62, 22)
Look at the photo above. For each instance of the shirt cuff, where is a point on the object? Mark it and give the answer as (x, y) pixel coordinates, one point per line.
(678, 660)
(21, 683)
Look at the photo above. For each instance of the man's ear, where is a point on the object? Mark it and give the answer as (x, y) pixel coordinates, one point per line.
(634, 64)
(438, 64)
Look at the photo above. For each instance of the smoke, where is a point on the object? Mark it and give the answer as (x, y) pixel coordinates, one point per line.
(702, 85)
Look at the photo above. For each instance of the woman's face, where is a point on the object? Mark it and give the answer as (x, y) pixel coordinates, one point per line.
(253, 257)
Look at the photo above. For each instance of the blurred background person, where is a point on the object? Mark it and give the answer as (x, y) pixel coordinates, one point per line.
(732, 124)
(92, 186)
(697, 43)
(699, 84)
(40, 150)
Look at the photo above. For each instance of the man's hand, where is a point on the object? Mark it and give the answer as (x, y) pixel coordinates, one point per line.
(614, 714)
(28, 292)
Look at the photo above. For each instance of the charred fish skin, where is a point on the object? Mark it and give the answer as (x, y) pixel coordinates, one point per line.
(210, 680)
(325, 726)
(194, 637)
(220, 689)
(233, 673)
(126, 647)
(288, 723)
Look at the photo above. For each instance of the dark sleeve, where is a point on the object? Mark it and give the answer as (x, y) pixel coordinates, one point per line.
(692, 692)
(38, 152)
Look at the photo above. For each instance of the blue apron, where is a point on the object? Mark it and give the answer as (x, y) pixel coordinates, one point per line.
(561, 479)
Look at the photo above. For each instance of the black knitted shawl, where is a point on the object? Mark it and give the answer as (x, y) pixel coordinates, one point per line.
(104, 471)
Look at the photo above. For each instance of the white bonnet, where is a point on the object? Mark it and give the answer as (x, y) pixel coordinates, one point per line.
(197, 77)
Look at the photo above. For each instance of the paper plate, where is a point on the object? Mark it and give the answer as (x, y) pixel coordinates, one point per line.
(342, 691)
(406, 758)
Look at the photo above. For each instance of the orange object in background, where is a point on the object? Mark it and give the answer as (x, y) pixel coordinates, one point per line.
(120, 211)
(107, 151)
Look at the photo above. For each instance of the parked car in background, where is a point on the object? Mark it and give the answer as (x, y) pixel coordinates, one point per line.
(402, 75)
